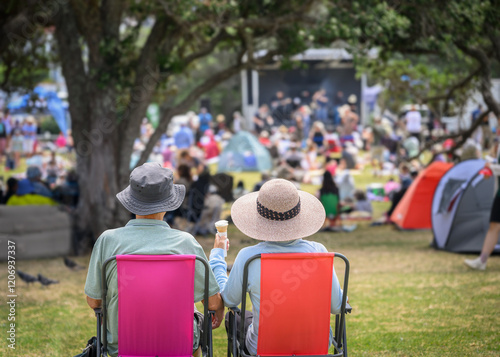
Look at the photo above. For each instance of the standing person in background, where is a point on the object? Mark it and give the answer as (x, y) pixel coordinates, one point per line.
(29, 132)
(262, 120)
(6, 118)
(321, 102)
(478, 133)
(338, 101)
(414, 122)
(298, 124)
(221, 126)
(17, 146)
(144, 130)
(352, 100)
(376, 148)
(184, 137)
(305, 111)
(350, 121)
(476, 113)
(491, 239)
(487, 132)
(205, 120)
(238, 122)
(4, 134)
(209, 145)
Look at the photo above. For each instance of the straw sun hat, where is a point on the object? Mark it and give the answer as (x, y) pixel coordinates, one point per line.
(278, 212)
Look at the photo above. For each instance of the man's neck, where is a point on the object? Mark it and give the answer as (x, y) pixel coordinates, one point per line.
(157, 216)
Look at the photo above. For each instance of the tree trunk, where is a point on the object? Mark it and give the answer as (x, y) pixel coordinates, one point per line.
(98, 151)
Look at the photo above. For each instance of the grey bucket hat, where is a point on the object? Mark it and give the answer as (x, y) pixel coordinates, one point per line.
(151, 190)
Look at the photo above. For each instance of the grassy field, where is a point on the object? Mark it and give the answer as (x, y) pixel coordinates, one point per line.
(408, 300)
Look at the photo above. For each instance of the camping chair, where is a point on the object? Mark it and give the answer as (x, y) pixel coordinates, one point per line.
(299, 307)
(155, 306)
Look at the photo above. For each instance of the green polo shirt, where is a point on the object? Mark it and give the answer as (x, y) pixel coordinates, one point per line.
(141, 236)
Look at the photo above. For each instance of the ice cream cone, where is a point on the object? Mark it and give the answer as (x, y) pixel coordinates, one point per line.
(221, 227)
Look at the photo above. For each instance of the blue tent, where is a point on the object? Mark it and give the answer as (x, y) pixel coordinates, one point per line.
(244, 153)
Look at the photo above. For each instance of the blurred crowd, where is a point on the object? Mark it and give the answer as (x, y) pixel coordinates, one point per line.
(314, 138)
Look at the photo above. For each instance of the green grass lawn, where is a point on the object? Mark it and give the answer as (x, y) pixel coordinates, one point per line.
(408, 300)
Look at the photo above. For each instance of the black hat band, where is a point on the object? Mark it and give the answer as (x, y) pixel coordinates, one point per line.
(277, 216)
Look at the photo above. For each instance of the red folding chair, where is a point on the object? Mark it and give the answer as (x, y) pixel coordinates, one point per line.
(155, 306)
(294, 318)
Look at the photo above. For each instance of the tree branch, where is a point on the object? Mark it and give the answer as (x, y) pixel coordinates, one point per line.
(184, 105)
(146, 81)
(481, 57)
(211, 82)
(456, 86)
(88, 21)
(207, 48)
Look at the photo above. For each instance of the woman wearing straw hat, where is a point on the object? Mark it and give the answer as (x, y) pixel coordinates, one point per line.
(279, 215)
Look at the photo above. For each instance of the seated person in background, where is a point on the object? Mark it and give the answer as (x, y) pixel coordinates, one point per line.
(240, 189)
(329, 197)
(69, 192)
(11, 190)
(264, 177)
(345, 181)
(406, 177)
(293, 156)
(150, 235)
(362, 204)
(256, 215)
(391, 187)
(211, 212)
(34, 175)
(331, 164)
(184, 178)
(26, 196)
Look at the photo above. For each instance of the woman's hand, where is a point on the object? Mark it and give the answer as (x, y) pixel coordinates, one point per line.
(220, 242)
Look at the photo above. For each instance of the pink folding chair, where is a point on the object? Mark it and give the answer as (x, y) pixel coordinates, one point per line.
(294, 317)
(155, 306)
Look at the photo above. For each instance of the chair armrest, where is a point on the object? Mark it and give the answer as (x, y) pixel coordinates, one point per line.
(232, 343)
(98, 315)
(206, 343)
(348, 308)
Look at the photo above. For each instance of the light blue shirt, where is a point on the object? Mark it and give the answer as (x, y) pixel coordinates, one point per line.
(184, 138)
(231, 287)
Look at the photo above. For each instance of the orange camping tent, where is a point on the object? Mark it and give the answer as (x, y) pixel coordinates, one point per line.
(414, 209)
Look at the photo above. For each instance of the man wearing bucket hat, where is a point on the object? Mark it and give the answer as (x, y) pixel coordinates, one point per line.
(149, 196)
(280, 216)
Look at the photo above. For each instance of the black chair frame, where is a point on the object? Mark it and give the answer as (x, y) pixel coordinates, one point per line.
(235, 347)
(101, 314)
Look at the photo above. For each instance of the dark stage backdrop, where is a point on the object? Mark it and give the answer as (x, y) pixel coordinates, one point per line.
(293, 82)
